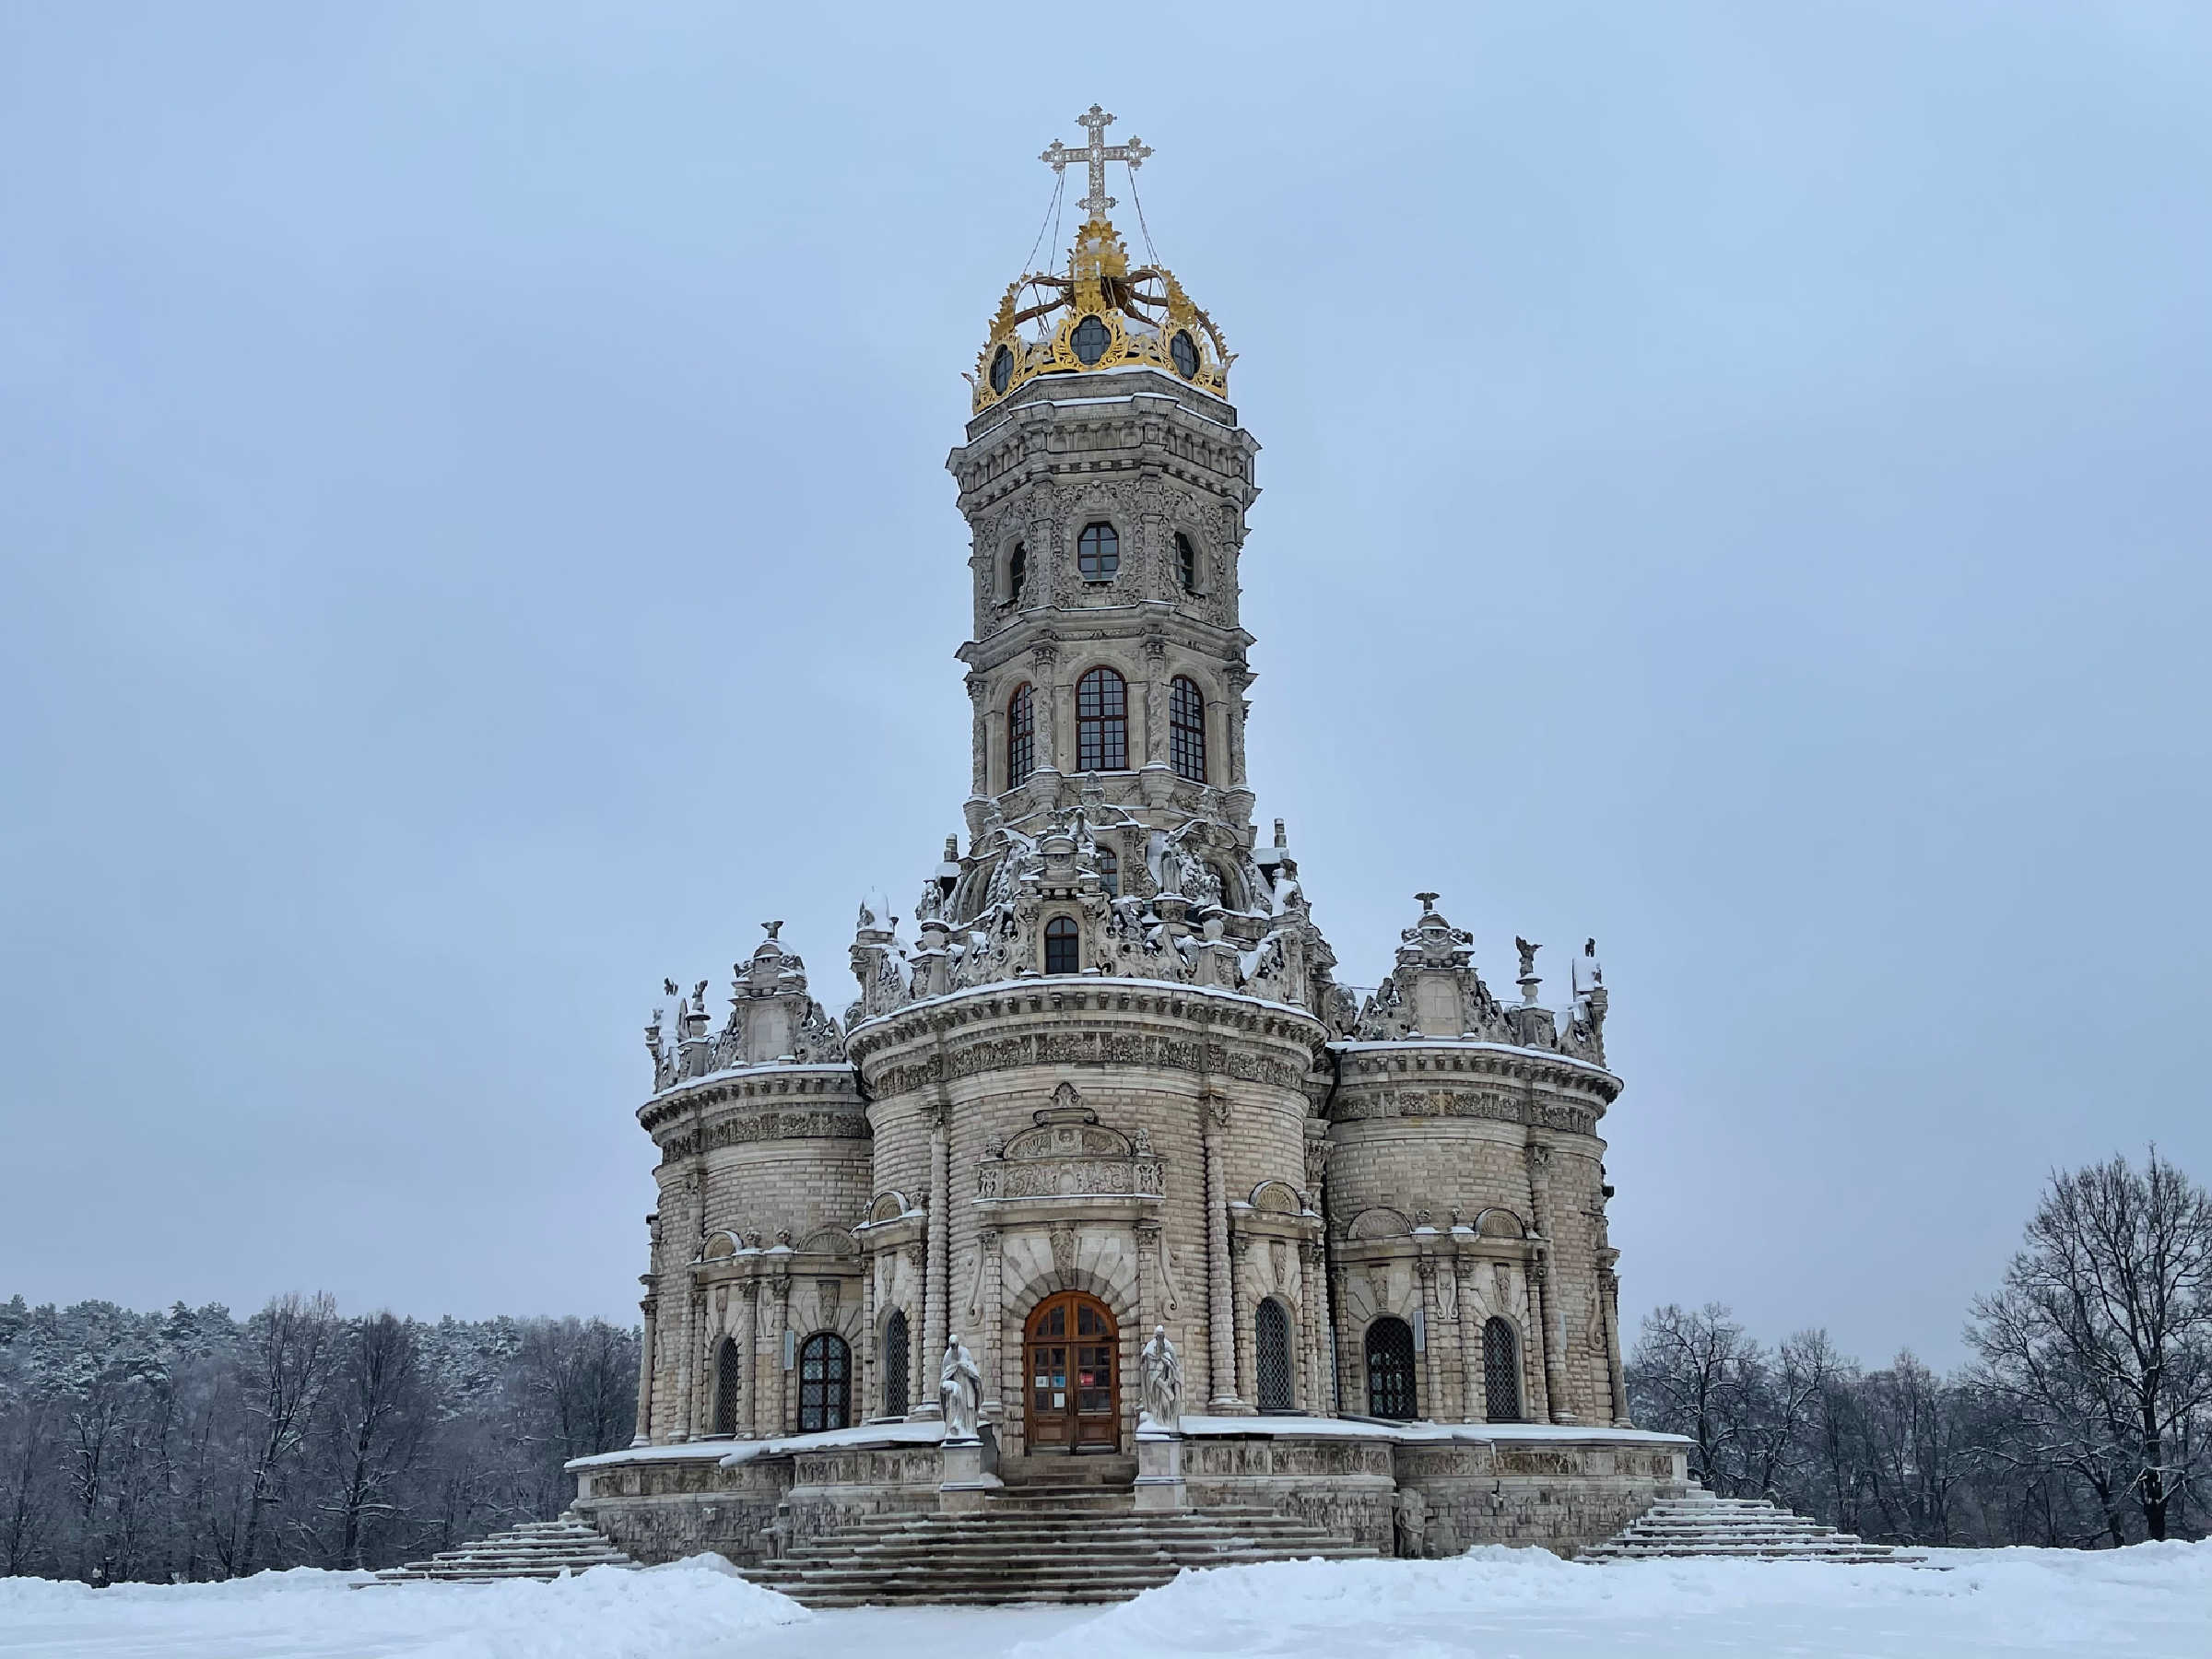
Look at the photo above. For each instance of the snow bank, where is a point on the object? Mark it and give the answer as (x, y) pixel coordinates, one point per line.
(694, 1607)
(2154, 1601)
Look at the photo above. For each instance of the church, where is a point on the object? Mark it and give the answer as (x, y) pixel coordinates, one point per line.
(1104, 1197)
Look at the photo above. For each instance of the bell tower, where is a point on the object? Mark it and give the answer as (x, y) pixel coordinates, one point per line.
(1105, 480)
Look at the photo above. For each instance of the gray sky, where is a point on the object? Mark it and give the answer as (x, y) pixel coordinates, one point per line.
(474, 540)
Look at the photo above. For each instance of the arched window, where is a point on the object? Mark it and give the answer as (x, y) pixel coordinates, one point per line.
(1500, 1372)
(1110, 871)
(726, 1380)
(825, 1383)
(1271, 1345)
(1390, 1371)
(1021, 735)
(1018, 570)
(1098, 552)
(1059, 954)
(1102, 721)
(1186, 562)
(897, 1393)
(1186, 730)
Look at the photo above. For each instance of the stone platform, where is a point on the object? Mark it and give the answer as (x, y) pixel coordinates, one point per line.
(1376, 1487)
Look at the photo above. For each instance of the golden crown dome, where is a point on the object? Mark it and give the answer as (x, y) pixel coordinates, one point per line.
(1103, 314)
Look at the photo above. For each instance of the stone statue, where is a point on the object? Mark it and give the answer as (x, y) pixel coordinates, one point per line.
(959, 1389)
(1528, 956)
(1163, 1373)
(1411, 1528)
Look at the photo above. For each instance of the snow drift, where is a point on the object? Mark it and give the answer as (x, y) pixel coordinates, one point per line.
(694, 1607)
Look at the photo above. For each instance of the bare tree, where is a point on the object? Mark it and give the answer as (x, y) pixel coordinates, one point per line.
(1698, 1374)
(293, 1345)
(378, 1406)
(2102, 1336)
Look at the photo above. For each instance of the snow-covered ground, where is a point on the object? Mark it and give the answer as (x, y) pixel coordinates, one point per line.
(2152, 1601)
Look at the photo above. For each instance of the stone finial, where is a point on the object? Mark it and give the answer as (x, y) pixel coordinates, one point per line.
(1427, 901)
(772, 928)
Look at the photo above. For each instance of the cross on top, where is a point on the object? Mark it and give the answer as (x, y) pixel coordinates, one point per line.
(1097, 152)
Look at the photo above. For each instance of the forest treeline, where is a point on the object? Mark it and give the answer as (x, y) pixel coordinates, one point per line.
(2084, 1417)
(192, 1445)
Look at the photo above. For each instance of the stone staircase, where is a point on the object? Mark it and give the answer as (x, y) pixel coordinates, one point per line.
(537, 1550)
(1702, 1524)
(1078, 1543)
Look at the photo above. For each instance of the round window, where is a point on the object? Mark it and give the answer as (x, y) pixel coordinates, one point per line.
(1185, 353)
(1002, 369)
(1090, 340)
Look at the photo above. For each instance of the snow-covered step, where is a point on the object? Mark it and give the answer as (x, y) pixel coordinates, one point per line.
(537, 1550)
(1011, 1554)
(1699, 1523)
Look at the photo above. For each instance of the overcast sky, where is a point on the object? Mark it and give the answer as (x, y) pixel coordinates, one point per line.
(474, 540)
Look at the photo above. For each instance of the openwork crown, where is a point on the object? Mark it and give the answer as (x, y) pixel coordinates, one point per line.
(1101, 312)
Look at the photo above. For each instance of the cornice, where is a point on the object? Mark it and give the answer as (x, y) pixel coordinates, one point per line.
(1449, 1058)
(748, 1085)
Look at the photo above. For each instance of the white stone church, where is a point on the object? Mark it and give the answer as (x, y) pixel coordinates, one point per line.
(1102, 1083)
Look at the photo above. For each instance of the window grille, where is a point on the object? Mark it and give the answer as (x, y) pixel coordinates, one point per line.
(1271, 1339)
(825, 1383)
(1102, 721)
(1098, 552)
(1186, 730)
(1501, 1371)
(1390, 1390)
(1091, 339)
(1021, 735)
(1110, 871)
(726, 1379)
(898, 1347)
(1060, 953)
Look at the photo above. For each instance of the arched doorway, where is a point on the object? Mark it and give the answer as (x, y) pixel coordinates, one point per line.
(1070, 1349)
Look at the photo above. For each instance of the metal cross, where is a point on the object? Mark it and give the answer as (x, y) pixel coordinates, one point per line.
(1097, 152)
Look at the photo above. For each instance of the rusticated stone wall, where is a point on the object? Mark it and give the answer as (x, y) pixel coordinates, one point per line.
(661, 1511)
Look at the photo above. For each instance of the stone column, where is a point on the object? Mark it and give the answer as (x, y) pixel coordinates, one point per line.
(643, 1436)
(1338, 1343)
(1309, 1343)
(1474, 1403)
(1046, 706)
(1553, 1326)
(1155, 707)
(1542, 1323)
(748, 1354)
(979, 744)
(1234, 712)
(936, 1293)
(780, 1396)
(1424, 1267)
(1240, 1277)
(1221, 1313)
(871, 1357)
(917, 1333)
(686, 1337)
(992, 1318)
(1608, 1292)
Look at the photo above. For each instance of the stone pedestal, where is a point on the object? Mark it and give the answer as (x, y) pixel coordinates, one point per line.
(969, 1473)
(1160, 1484)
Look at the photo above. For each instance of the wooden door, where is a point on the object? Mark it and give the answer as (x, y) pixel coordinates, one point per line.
(1071, 1351)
